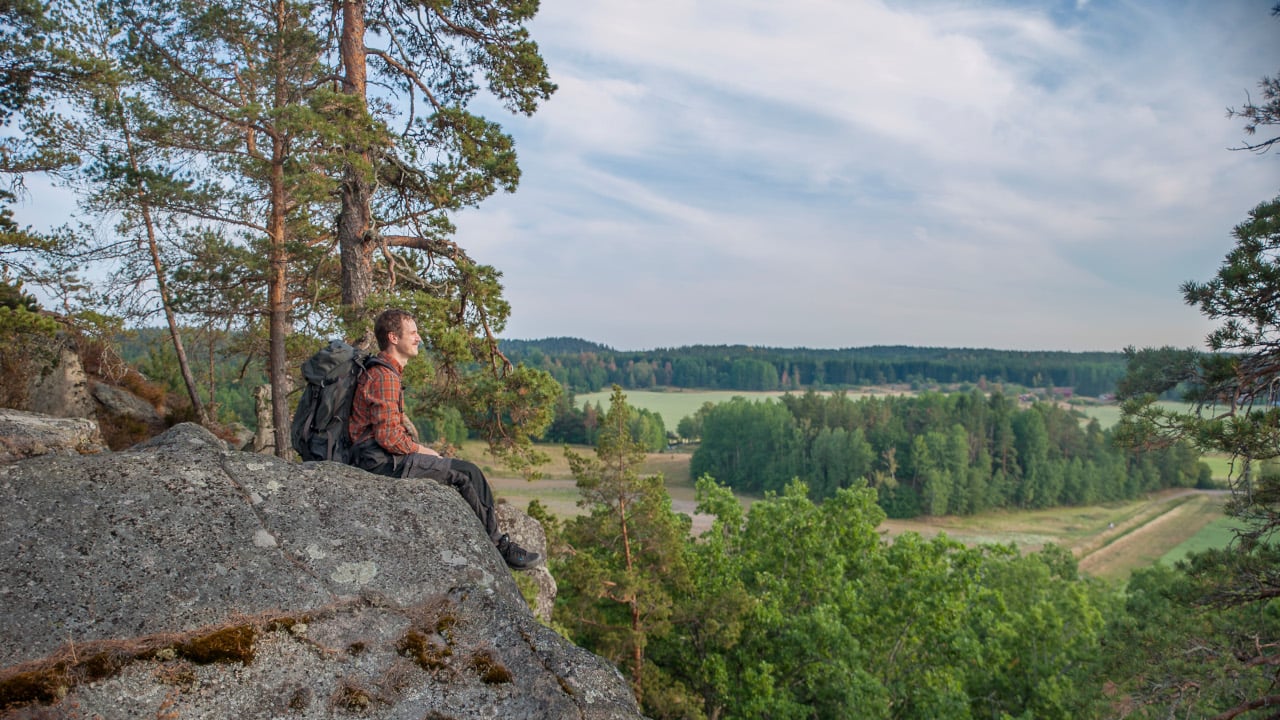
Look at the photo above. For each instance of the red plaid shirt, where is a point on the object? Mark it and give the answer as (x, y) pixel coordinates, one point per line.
(378, 409)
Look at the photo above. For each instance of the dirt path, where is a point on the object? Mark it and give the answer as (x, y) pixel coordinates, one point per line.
(1147, 536)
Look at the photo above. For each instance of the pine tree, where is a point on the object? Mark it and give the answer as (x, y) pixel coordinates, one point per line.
(412, 153)
(232, 86)
(627, 561)
(125, 177)
(1234, 394)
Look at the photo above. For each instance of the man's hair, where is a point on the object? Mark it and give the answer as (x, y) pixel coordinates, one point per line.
(387, 322)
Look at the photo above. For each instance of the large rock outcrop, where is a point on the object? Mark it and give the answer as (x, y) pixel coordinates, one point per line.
(61, 388)
(180, 579)
(25, 434)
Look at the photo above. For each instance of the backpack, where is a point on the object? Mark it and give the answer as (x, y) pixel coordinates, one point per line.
(319, 428)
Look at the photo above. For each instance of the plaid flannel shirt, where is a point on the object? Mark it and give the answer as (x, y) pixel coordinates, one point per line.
(378, 409)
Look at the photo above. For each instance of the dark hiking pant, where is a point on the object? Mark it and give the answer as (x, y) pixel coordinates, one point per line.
(465, 477)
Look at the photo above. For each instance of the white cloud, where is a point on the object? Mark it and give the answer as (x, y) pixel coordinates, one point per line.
(838, 172)
(823, 170)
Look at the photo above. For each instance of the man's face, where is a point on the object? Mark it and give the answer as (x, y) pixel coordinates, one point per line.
(407, 340)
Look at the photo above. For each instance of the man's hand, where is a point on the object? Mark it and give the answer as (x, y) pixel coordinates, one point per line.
(409, 427)
(426, 450)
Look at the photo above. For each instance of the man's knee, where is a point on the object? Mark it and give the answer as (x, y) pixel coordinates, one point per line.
(464, 466)
(463, 472)
(418, 465)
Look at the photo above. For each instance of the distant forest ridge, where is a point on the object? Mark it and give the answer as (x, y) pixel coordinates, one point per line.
(585, 366)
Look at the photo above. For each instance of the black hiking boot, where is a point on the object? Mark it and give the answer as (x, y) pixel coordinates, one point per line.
(517, 558)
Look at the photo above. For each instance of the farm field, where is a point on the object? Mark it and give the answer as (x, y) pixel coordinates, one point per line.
(1216, 534)
(1109, 414)
(558, 491)
(1110, 541)
(675, 405)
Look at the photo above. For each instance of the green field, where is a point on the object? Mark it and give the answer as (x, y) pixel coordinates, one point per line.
(1108, 415)
(1220, 465)
(675, 405)
(1217, 534)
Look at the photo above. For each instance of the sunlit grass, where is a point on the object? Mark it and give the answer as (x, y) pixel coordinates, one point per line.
(1217, 534)
(675, 405)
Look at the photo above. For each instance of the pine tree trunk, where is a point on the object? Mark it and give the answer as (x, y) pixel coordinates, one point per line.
(277, 302)
(354, 220)
(277, 274)
(144, 205)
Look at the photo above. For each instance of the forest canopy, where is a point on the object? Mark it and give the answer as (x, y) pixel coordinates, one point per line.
(584, 366)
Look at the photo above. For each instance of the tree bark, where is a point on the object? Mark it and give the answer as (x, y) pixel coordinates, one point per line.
(277, 274)
(354, 219)
(277, 303)
(161, 285)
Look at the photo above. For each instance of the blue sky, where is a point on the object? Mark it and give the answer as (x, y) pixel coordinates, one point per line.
(841, 173)
(837, 173)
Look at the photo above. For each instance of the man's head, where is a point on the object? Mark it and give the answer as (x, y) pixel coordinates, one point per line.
(397, 332)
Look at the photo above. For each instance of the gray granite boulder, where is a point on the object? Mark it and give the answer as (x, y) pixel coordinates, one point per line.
(117, 402)
(24, 435)
(180, 579)
(528, 534)
(61, 388)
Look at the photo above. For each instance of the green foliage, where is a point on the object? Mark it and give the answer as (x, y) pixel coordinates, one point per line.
(1213, 622)
(1188, 658)
(26, 342)
(572, 425)
(801, 610)
(221, 369)
(628, 562)
(690, 427)
(750, 446)
(1233, 386)
(934, 454)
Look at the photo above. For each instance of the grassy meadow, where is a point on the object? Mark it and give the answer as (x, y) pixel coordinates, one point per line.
(1217, 534)
(675, 405)
(1109, 414)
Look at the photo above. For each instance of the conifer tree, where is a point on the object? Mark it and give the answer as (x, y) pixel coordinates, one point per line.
(231, 89)
(1235, 401)
(125, 176)
(398, 184)
(37, 67)
(627, 560)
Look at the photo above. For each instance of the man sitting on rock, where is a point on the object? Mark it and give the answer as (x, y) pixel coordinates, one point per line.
(383, 444)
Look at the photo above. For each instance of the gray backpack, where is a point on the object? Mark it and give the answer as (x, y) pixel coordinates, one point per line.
(319, 428)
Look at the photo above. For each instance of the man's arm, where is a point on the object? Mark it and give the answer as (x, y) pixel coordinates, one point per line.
(380, 392)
